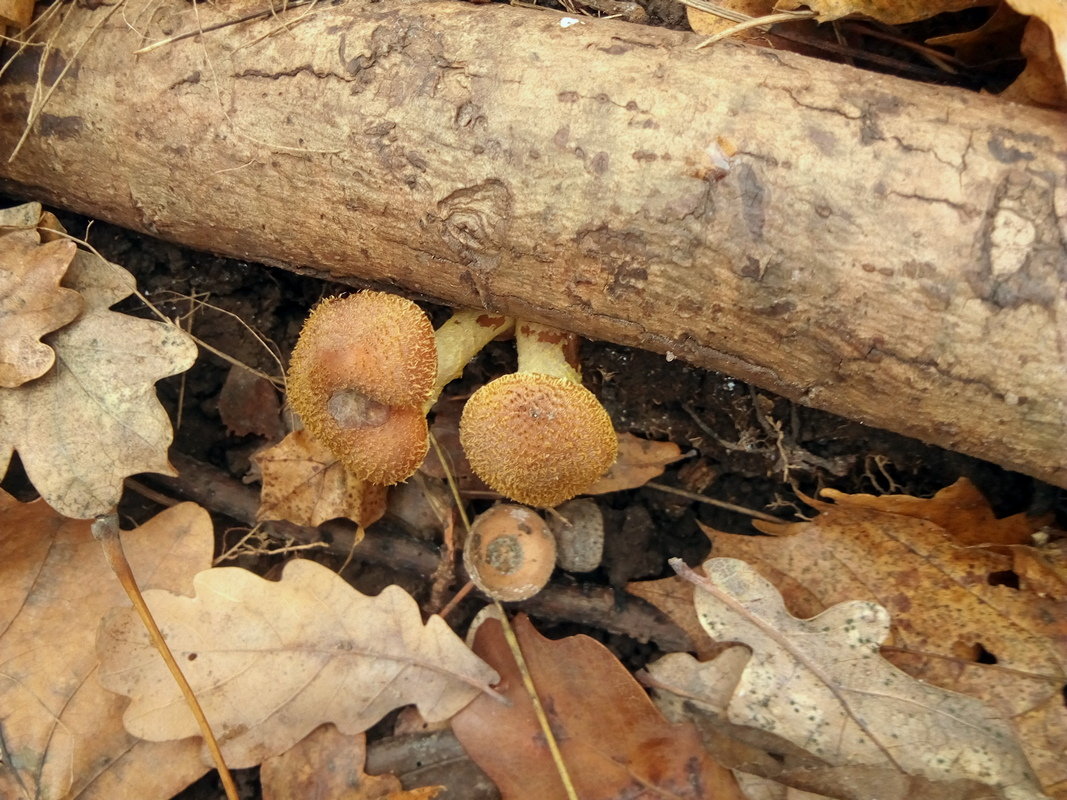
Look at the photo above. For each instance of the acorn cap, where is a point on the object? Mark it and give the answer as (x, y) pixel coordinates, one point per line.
(359, 374)
(510, 553)
(536, 438)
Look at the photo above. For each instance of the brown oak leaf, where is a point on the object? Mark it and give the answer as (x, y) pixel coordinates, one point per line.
(612, 739)
(304, 483)
(270, 661)
(62, 731)
(32, 303)
(94, 419)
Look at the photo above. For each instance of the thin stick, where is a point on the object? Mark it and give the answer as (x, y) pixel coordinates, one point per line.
(711, 501)
(756, 22)
(266, 12)
(539, 709)
(106, 531)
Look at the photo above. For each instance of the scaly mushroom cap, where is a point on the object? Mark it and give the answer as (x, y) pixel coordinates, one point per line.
(359, 374)
(537, 439)
(510, 553)
(373, 343)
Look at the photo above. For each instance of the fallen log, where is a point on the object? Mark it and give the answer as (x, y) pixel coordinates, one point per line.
(892, 252)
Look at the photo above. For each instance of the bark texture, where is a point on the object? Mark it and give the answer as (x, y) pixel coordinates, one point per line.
(891, 252)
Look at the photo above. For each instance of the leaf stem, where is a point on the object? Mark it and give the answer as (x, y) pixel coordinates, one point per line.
(105, 530)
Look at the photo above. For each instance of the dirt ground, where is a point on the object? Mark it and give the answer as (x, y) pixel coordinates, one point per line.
(743, 445)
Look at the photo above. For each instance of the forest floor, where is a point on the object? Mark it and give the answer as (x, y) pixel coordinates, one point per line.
(741, 445)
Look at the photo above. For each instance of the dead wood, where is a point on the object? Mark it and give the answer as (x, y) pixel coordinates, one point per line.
(892, 252)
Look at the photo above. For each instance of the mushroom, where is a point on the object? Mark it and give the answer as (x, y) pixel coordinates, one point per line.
(365, 370)
(360, 373)
(509, 553)
(538, 436)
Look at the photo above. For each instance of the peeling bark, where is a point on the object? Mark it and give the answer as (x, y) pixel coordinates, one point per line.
(891, 252)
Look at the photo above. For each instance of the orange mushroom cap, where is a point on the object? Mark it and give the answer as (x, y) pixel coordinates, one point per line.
(536, 438)
(359, 375)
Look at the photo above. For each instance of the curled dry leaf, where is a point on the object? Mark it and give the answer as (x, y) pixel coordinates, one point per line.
(304, 483)
(960, 510)
(639, 461)
(62, 731)
(32, 303)
(822, 685)
(93, 419)
(613, 740)
(271, 661)
(952, 607)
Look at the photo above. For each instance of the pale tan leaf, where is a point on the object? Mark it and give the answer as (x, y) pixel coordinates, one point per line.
(27, 215)
(271, 661)
(324, 765)
(822, 685)
(62, 730)
(94, 419)
(1042, 82)
(32, 303)
(639, 461)
(304, 483)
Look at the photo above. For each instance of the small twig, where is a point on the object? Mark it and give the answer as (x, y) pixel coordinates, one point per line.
(757, 22)
(450, 606)
(711, 501)
(261, 14)
(105, 530)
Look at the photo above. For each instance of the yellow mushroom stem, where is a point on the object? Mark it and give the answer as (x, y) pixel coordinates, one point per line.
(460, 339)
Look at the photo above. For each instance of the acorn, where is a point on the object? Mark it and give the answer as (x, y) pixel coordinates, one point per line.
(510, 553)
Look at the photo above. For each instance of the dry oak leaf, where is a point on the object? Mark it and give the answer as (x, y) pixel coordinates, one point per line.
(270, 661)
(960, 509)
(614, 742)
(93, 419)
(62, 731)
(639, 461)
(32, 303)
(304, 483)
(822, 684)
(952, 607)
(324, 765)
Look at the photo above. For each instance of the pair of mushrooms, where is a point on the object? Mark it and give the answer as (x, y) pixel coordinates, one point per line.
(367, 368)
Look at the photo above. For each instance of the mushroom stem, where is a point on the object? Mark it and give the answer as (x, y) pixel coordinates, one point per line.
(548, 351)
(460, 339)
